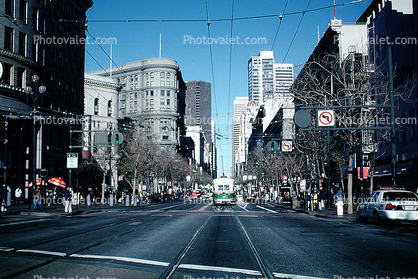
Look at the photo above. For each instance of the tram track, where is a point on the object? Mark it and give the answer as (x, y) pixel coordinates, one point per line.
(172, 267)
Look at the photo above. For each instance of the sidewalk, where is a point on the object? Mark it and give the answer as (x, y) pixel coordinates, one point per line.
(22, 212)
(327, 213)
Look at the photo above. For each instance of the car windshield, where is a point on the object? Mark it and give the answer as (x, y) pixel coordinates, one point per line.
(400, 196)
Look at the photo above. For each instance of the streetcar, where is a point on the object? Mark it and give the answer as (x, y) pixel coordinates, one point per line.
(223, 191)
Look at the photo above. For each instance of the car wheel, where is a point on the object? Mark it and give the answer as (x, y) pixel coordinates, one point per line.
(377, 219)
(360, 217)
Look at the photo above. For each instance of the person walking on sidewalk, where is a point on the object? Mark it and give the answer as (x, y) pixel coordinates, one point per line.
(321, 199)
(18, 195)
(67, 200)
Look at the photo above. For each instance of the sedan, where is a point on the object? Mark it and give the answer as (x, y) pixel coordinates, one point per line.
(389, 205)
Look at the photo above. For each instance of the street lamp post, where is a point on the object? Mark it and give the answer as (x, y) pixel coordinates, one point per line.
(34, 93)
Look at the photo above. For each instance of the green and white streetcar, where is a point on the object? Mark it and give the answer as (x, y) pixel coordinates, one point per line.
(223, 191)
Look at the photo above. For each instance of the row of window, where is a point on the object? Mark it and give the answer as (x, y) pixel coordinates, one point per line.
(97, 107)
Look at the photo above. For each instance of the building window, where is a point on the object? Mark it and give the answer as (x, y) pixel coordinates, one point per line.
(165, 137)
(168, 83)
(7, 73)
(35, 19)
(151, 93)
(96, 106)
(162, 93)
(152, 83)
(152, 74)
(109, 108)
(162, 74)
(168, 75)
(10, 7)
(168, 93)
(23, 11)
(21, 78)
(8, 38)
(22, 43)
(162, 102)
(168, 102)
(162, 83)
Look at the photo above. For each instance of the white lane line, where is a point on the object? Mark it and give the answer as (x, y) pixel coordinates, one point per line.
(292, 276)
(6, 249)
(21, 222)
(122, 259)
(266, 209)
(244, 207)
(60, 254)
(158, 263)
(219, 268)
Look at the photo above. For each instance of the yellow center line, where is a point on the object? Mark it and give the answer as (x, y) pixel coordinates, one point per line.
(203, 208)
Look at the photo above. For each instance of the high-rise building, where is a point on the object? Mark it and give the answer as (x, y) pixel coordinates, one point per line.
(266, 79)
(240, 104)
(260, 76)
(199, 112)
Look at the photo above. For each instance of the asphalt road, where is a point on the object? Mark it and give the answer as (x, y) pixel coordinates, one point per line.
(207, 242)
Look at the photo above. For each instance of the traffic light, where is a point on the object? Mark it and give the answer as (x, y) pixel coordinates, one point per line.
(272, 146)
(117, 138)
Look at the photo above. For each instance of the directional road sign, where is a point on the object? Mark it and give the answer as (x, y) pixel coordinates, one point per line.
(326, 118)
(287, 146)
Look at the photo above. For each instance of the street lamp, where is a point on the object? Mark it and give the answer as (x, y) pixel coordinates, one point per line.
(34, 93)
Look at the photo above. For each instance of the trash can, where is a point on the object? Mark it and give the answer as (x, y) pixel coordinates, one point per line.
(127, 200)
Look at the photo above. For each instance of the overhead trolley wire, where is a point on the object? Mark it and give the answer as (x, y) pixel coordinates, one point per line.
(296, 31)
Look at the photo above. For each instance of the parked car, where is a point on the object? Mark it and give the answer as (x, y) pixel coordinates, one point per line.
(392, 205)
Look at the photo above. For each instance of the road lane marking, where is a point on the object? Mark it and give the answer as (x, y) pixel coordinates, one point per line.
(244, 207)
(122, 259)
(42, 252)
(158, 263)
(266, 209)
(6, 249)
(206, 206)
(221, 269)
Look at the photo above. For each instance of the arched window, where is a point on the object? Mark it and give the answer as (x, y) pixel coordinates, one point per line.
(109, 108)
(96, 106)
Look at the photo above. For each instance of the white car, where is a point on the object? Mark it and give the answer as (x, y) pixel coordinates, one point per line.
(393, 205)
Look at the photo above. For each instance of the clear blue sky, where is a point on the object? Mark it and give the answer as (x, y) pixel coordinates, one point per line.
(139, 40)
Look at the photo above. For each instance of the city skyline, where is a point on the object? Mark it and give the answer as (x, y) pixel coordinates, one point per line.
(139, 39)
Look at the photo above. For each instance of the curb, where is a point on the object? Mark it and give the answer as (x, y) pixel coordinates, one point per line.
(315, 214)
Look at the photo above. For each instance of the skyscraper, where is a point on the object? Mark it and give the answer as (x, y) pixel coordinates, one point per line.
(199, 112)
(267, 79)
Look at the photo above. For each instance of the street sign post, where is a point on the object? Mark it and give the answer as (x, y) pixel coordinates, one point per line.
(72, 160)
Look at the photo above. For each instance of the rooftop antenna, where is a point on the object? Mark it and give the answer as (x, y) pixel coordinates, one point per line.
(335, 11)
(160, 46)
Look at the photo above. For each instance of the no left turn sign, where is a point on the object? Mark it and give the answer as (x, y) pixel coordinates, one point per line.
(326, 118)
(286, 146)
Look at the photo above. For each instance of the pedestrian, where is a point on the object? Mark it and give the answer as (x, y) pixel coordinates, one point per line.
(321, 199)
(67, 200)
(37, 199)
(18, 195)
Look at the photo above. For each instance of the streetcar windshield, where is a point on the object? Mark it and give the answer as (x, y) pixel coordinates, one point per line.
(220, 187)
